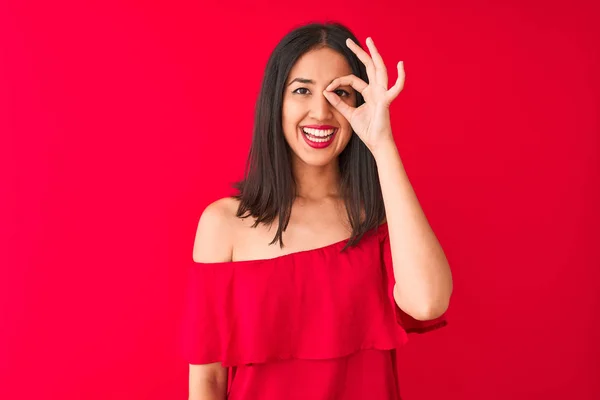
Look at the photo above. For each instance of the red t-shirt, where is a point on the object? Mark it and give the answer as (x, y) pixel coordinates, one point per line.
(318, 324)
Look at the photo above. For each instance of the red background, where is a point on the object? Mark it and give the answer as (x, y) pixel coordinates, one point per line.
(120, 121)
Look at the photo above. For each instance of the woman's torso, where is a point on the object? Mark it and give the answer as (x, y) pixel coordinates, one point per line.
(369, 373)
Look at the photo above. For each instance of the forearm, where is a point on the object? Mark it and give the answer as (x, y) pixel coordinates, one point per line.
(208, 391)
(207, 382)
(421, 271)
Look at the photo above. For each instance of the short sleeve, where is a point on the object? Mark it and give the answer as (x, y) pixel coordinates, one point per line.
(408, 323)
(201, 342)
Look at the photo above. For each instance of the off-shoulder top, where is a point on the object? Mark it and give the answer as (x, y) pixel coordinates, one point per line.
(319, 324)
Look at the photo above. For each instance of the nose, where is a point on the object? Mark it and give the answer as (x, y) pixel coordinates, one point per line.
(320, 108)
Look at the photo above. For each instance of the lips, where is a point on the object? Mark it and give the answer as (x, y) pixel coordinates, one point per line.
(319, 126)
(318, 136)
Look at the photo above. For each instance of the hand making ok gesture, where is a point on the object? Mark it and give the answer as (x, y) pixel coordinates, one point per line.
(370, 121)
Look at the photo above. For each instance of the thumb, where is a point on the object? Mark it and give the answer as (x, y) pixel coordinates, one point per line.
(339, 105)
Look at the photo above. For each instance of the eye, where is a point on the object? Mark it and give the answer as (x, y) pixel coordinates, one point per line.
(344, 93)
(300, 88)
(339, 92)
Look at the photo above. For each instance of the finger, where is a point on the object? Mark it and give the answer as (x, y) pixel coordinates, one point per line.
(399, 85)
(364, 57)
(357, 84)
(380, 69)
(337, 102)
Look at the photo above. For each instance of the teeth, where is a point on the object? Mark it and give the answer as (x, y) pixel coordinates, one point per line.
(318, 132)
(318, 140)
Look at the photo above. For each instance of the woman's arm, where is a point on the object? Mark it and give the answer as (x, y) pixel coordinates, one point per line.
(212, 244)
(207, 382)
(423, 277)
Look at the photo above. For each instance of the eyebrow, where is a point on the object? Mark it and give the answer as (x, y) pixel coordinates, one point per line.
(304, 80)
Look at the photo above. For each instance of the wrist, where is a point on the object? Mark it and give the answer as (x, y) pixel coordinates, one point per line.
(384, 148)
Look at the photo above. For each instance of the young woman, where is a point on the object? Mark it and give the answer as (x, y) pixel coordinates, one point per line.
(305, 283)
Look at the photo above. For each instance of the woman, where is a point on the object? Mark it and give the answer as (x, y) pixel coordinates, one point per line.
(357, 266)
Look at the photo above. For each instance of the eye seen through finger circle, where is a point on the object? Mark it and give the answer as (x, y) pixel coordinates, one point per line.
(339, 92)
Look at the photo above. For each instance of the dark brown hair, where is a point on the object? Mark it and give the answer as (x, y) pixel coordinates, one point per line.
(268, 189)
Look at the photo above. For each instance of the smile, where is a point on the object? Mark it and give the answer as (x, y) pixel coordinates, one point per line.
(319, 138)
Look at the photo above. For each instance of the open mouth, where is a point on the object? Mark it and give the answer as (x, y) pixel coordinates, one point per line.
(319, 136)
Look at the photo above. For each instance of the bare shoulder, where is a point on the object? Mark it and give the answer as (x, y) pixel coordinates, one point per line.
(214, 235)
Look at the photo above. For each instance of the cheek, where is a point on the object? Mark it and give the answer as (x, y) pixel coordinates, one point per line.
(289, 113)
(289, 120)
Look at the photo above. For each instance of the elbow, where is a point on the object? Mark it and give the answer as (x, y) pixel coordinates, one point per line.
(437, 303)
(435, 308)
(430, 312)
(428, 309)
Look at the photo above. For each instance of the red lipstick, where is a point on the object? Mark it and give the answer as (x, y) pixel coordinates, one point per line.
(319, 126)
(317, 142)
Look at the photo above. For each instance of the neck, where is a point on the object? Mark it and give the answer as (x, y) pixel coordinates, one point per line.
(316, 182)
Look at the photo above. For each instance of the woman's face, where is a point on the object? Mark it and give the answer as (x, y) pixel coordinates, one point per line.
(315, 131)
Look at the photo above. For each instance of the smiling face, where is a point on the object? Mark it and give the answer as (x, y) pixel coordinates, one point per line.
(315, 131)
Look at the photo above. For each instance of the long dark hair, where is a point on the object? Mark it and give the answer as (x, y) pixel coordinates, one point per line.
(268, 189)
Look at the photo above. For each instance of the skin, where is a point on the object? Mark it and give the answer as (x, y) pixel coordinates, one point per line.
(421, 270)
(318, 215)
(422, 273)
(305, 104)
